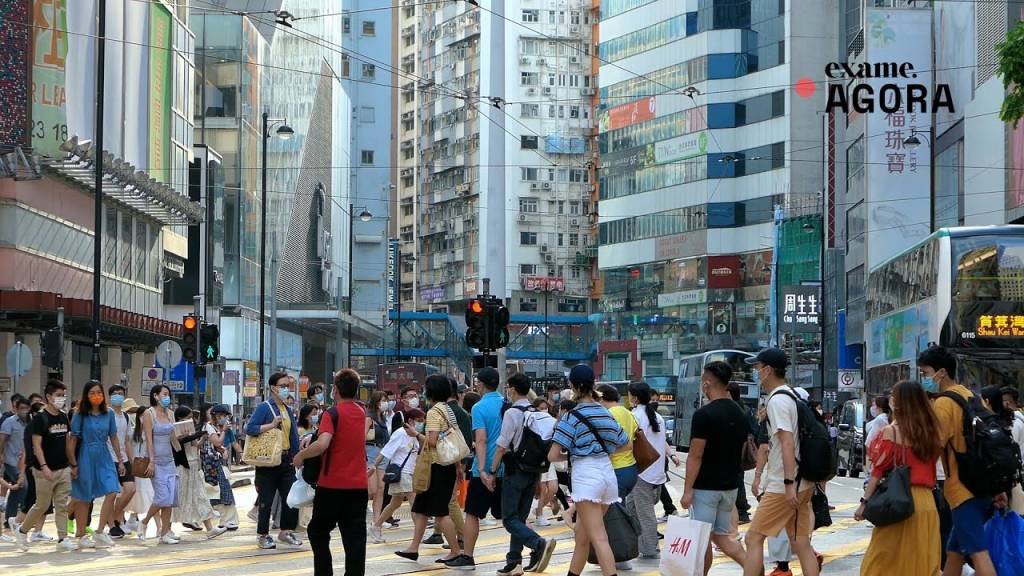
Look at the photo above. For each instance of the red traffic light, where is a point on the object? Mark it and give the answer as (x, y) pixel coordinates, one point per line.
(476, 307)
(189, 322)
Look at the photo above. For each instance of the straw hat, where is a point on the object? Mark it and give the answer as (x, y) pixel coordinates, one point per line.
(129, 405)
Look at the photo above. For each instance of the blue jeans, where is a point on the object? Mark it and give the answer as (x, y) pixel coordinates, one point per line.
(14, 497)
(516, 499)
(626, 478)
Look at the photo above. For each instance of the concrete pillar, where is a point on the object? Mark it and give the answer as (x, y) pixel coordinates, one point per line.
(139, 361)
(110, 371)
(35, 378)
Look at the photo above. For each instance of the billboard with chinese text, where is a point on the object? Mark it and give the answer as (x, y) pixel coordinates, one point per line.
(898, 177)
(800, 309)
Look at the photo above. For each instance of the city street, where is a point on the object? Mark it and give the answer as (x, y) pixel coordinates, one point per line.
(843, 545)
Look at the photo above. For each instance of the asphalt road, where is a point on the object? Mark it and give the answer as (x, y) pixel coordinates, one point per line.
(843, 545)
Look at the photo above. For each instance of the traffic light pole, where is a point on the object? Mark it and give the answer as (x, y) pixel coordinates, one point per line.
(197, 303)
(60, 330)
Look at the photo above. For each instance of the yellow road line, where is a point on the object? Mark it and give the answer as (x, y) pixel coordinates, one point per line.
(838, 553)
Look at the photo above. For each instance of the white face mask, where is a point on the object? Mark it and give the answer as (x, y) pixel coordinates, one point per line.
(413, 402)
(59, 402)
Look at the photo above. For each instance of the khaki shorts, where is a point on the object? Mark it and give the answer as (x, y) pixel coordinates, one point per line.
(775, 514)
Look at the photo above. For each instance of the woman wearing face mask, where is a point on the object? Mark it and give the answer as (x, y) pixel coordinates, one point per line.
(401, 449)
(381, 436)
(193, 505)
(276, 480)
(216, 425)
(143, 497)
(309, 418)
(93, 474)
(158, 424)
(880, 415)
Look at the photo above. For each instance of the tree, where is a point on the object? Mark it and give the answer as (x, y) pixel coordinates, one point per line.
(1011, 68)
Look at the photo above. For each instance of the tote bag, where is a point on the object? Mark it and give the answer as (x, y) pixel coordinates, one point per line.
(891, 501)
(264, 450)
(643, 451)
(451, 446)
(623, 534)
(686, 541)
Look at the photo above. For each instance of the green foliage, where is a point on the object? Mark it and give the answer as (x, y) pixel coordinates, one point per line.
(1011, 68)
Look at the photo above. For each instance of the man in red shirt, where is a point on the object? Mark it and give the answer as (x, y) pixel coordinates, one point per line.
(341, 491)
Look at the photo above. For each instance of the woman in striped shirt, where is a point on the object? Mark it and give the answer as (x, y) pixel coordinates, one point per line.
(587, 436)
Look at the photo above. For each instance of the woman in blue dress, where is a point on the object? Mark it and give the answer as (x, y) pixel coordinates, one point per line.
(93, 472)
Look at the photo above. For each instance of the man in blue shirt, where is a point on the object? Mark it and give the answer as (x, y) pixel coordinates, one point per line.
(484, 488)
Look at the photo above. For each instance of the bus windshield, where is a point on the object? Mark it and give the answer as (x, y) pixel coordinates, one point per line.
(988, 268)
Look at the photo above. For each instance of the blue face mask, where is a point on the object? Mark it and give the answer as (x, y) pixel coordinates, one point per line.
(116, 400)
(165, 401)
(320, 397)
(929, 385)
(284, 393)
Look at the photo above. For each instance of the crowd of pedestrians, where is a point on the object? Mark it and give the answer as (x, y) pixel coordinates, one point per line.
(465, 456)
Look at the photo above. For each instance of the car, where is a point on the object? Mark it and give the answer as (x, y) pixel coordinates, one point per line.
(850, 444)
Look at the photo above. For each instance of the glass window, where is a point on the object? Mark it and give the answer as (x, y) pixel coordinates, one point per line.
(528, 142)
(988, 268)
(527, 269)
(124, 270)
(644, 39)
(949, 187)
(369, 28)
(855, 284)
(366, 156)
(528, 304)
(140, 250)
(528, 238)
(366, 114)
(855, 168)
(528, 205)
(531, 16)
(346, 24)
(856, 219)
(369, 71)
(110, 240)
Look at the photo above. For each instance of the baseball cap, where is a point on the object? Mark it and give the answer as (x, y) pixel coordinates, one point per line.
(581, 373)
(770, 357)
(489, 376)
(220, 409)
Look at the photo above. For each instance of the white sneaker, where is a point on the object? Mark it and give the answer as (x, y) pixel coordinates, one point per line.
(66, 545)
(86, 542)
(6, 539)
(130, 526)
(624, 566)
(21, 540)
(216, 532)
(173, 535)
(489, 521)
(541, 521)
(376, 535)
(38, 536)
(103, 540)
(168, 539)
(12, 523)
(662, 518)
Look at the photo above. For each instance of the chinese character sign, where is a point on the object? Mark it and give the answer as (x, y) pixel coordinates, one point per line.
(801, 309)
(1000, 326)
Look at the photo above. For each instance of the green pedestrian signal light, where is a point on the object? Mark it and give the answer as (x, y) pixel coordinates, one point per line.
(209, 339)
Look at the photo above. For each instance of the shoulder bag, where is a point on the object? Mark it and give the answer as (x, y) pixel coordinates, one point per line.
(891, 501)
(393, 473)
(451, 446)
(597, 435)
(264, 450)
(643, 451)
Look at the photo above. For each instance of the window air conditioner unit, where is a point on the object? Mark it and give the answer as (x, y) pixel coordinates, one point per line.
(587, 92)
(547, 185)
(541, 61)
(574, 222)
(523, 217)
(543, 247)
(547, 90)
(524, 60)
(531, 90)
(549, 257)
(533, 185)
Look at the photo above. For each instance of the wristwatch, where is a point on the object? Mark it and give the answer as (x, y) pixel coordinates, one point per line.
(787, 481)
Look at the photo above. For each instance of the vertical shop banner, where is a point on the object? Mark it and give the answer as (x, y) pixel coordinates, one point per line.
(392, 273)
(160, 83)
(252, 379)
(899, 178)
(50, 51)
(720, 318)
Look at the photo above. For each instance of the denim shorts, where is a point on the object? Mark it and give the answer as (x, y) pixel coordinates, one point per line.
(715, 508)
(968, 534)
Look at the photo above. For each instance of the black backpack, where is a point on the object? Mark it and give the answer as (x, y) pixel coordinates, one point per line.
(311, 466)
(816, 461)
(991, 464)
(531, 455)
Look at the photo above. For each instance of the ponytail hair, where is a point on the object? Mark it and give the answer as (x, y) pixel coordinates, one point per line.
(642, 392)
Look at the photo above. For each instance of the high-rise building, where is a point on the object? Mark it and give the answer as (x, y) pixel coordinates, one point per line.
(405, 154)
(701, 139)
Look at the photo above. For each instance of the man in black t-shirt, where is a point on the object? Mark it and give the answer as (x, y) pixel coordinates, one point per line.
(717, 437)
(48, 458)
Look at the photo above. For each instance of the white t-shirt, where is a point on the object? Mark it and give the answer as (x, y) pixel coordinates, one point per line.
(655, 473)
(782, 415)
(124, 432)
(398, 447)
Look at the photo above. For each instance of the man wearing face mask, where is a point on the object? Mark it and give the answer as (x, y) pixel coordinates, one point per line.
(49, 462)
(12, 450)
(276, 480)
(124, 432)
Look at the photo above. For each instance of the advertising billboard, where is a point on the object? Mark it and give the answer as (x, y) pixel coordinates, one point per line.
(160, 83)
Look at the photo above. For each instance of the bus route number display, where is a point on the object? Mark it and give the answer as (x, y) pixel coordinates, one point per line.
(1000, 326)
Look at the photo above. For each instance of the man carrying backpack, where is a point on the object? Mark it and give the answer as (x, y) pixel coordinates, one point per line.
(786, 503)
(969, 510)
(524, 452)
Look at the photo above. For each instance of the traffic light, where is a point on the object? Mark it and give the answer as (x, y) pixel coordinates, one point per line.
(497, 325)
(481, 361)
(476, 324)
(210, 342)
(53, 349)
(189, 331)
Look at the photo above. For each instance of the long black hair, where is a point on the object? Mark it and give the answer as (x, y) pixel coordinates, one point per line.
(137, 434)
(304, 413)
(154, 394)
(994, 396)
(642, 392)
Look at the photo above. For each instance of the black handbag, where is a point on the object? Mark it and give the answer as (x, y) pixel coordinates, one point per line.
(623, 534)
(819, 503)
(393, 473)
(891, 501)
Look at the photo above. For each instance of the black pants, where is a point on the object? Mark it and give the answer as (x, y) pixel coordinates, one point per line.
(666, 500)
(945, 517)
(345, 510)
(270, 481)
(742, 506)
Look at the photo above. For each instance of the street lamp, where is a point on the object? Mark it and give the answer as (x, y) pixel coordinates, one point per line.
(284, 132)
(912, 143)
(364, 216)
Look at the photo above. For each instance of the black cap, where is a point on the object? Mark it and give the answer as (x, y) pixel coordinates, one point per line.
(220, 409)
(770, 357)
(581, 374)
(489, 376)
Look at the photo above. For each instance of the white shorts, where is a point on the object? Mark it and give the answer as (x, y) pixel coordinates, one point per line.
(593, 480)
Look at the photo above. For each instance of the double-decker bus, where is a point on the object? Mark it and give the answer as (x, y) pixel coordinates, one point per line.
(394, 376)
(688, 397)
(960, 288)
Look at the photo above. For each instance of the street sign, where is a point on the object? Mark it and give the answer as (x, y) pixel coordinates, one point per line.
(801, 309)
(850, 380)
(168, 354)
(5, 383)
(151, 376)
(175, 385)
(19, 360)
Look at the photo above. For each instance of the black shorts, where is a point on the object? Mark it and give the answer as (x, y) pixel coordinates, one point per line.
(128, 477)
(434, 502)
(480, 500)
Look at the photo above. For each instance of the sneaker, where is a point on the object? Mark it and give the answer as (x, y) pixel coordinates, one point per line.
(511, 569)
(489, 521)
(780, 572)
(542, 521)
(216, 532)
(461, 562)
(662, 518)
(624, 566)
(43, 537)
(169, 539)
(103, 540)
(131, 525)
(290, 539)
(540, 557)
(376, 536)
(434, 540)
(65, 545)
(86, 542)
(392, 523)
(192, 527)
(116, 532)
(265, 542)
(655, 556)
(254, 515)
(231, 526)
(12, 523)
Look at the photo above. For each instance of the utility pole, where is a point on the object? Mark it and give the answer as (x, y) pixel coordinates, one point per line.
(197, 305)
(97, 248)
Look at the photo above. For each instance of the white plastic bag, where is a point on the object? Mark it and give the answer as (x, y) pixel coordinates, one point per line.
(686, 541)
(301, 494)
